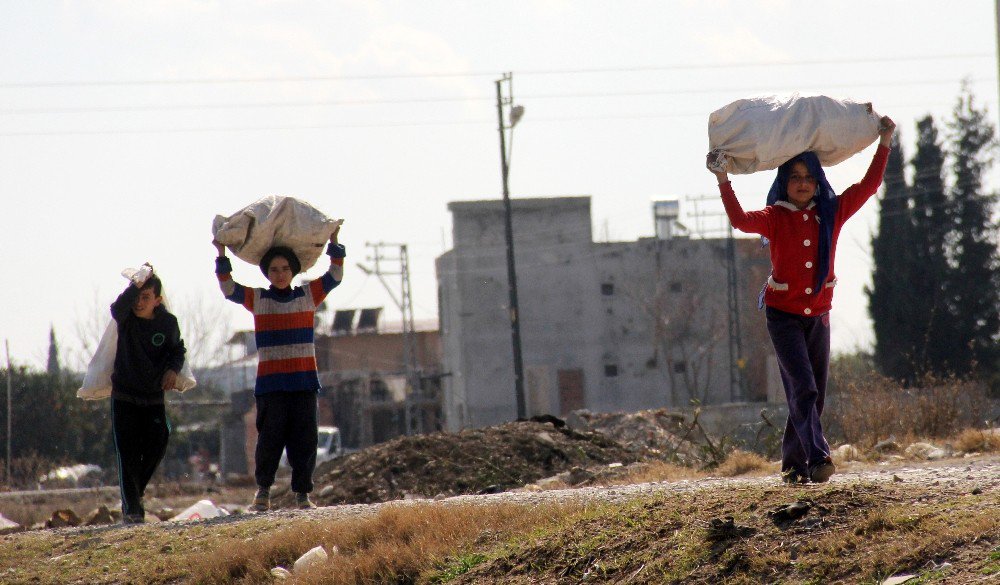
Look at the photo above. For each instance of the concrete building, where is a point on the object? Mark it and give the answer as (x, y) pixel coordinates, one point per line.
(617, 326)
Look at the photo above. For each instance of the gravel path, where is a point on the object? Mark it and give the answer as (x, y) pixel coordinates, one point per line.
(956, 476)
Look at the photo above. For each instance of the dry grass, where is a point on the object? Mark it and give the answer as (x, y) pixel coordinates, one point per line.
(392, 546)
(977, 441)
(870, 407)
(658, 471)
(742, 463)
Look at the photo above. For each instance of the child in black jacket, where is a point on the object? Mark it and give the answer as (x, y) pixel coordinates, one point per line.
(150, 353)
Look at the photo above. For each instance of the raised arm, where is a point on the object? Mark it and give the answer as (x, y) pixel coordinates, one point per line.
(855, 196)
(122, 307)
(232, 290)
(753, 222)
(322, 286)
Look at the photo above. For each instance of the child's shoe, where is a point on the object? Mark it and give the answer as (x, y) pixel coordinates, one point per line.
(303, 502)
(792, 476)
(261, 501)
(134, 519)
(822, 471)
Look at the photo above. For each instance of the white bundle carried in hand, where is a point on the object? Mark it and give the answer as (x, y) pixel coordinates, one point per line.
(276, 220)
(97, 381)
(761, 133)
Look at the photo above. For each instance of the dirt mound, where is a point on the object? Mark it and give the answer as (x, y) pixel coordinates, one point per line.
(487, 460)
(658, 433)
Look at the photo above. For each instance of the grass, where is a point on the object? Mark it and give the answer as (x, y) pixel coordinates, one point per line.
(852, 533)
(394, 545)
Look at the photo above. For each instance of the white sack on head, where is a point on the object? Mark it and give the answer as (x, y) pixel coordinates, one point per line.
(276, 220)
(761, 133)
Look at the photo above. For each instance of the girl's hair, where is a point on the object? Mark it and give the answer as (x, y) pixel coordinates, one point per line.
(826, 208)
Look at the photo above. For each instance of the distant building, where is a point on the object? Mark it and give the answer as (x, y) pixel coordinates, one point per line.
(367, 391)
(615, 326)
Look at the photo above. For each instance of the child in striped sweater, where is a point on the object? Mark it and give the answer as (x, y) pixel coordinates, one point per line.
(287, 379)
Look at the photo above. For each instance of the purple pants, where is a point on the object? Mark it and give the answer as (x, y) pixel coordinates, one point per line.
(802, 345)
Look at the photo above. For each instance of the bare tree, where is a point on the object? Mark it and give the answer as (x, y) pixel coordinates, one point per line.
(688, 326)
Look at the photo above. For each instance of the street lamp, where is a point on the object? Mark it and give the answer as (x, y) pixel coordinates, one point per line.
(516, 112)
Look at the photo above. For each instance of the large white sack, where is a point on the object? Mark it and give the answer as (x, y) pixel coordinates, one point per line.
(761, 133)
(276, 220)
(97, 381)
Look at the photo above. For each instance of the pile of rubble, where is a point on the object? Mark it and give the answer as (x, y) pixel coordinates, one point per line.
(471, 461)
(656, 434)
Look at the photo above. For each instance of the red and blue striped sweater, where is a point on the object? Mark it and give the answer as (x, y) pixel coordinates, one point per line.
(283, 325)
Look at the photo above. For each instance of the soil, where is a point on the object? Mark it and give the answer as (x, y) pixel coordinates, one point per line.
(473, 461)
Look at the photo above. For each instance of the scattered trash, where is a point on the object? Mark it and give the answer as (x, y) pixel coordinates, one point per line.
(925, 451)
(898, 579)
(71, 476)
(280, 573)
(313, 556)
(847, 452)
(7, 525)
(201, 510)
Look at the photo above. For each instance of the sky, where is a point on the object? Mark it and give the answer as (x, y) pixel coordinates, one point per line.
(126, 127)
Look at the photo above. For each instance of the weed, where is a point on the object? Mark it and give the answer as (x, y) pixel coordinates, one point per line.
(739, 462)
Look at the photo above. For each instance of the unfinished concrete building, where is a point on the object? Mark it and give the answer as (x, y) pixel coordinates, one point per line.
(615, 326)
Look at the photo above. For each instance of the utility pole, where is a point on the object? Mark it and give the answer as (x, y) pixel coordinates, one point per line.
(736, 360)
(996, 12)
(10, 373)
(515, 325)
(405, 303)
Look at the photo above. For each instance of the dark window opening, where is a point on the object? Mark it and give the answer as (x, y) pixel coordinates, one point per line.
(607, 289)
(610, 370)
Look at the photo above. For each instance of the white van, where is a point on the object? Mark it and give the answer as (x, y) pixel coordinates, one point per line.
(329, 446)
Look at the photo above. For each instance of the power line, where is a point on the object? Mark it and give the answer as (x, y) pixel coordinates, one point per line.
(449, 99)
(471, 74)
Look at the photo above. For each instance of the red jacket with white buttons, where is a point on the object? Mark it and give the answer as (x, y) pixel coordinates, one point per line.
(794, 235)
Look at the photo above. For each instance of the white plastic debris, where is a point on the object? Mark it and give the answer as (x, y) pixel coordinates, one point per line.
(280, 573)
(201, 510)
(7, 524)
(846, 452)
(313, 556)
(925, 451)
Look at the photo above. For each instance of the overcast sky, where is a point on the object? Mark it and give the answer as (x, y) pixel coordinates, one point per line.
(125, 127)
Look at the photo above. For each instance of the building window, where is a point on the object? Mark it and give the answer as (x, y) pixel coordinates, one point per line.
(607, 289)
(680, 367)
(675, 286)
(610, 370)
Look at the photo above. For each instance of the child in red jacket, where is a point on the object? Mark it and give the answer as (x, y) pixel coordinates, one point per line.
(802, 223)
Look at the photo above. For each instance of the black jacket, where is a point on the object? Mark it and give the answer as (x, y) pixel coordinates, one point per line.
(147, 348)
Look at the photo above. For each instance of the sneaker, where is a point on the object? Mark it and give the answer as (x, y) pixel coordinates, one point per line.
(303, 502)
(134, 519)
(261, 501)
(822, 471)
(793, 476)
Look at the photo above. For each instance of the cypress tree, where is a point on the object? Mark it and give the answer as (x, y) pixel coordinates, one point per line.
(53, 366)
(974, 286)
(929, 269)
(891, 305)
